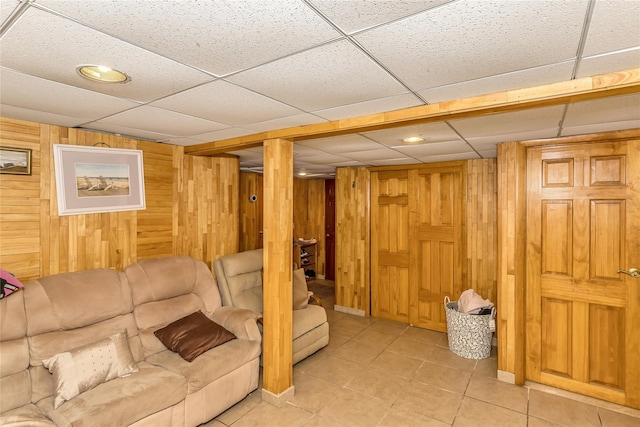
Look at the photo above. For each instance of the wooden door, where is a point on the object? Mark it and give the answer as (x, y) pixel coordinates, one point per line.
(330, 229)
(583, 225)
(436, 229)
(390, 245)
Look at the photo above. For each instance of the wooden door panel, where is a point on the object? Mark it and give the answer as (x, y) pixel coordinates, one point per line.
(435, 216)
(556, 336)
(607, 237)
(606, 348)
(390, 245)
(580, 214)
(557, 237)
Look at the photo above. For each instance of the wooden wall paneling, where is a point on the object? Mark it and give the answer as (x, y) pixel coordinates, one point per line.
(278, 235)
(301, 226)
(315, 220)
(192, 208)
(510, 320)
(20, 203)
(179, 173)
(353, 239)
(78, 242)
(250, 227)
(155, 223)
(209, 208)
(308, 215)
(482, 236)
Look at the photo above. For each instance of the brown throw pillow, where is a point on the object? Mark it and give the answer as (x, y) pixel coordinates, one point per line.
(300, 290)
(193, 335)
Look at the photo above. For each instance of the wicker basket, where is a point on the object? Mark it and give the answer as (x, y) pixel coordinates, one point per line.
(470, 335)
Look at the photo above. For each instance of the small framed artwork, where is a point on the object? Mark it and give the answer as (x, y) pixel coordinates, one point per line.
(94, 180)
(15, 161)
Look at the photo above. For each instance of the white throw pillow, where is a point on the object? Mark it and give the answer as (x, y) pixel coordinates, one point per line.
(85, 367)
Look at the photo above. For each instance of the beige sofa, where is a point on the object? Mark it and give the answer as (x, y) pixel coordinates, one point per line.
(239, 278)
(57, 313)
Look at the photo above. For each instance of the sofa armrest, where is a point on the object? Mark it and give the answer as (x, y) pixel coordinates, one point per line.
(239, 321)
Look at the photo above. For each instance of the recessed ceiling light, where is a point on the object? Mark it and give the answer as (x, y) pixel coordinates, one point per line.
(100, 73)
(413, 140)
(302, 174)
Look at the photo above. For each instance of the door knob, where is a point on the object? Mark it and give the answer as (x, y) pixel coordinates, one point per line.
(633, 272)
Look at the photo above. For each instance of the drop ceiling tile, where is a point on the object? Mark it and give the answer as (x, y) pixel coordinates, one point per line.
(375, 106)
(351, 16)
(489, 142)
(600, 127)
(393, 162)
(220, 36)
(450, 157)
(341, 144)
(510, 123)
(300, 150)
(60, 46)
(606, 110)
(322, 159)
(324, 77)
(350, 163)
(33, 93)
(434, 149)
(222, 134)
(126, 131)
(605, 37)
(163, 121)
(431, 132)
(12, 112)
(514, 80)
(373, 155)
(6, 8)
(226, 103)
(472, 45)
(603, 64)
(285, 122)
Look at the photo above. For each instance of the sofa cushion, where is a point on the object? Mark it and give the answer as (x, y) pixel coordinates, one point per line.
(163, 294)
(158, 279)
(240, 279)
(307, 319)
(300, 290)
(120, 402)
(211, 365)
(14, 354)
(73, 300)
(25, 416)
(193, 335)
(81, 369)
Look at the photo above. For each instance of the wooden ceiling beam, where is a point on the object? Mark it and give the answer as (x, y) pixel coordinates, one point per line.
(584, 89)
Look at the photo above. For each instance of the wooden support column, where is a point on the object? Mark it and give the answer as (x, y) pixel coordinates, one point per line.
(510, 322)
(277, 286)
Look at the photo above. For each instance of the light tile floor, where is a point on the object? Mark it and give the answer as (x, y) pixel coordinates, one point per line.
(377, 372)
